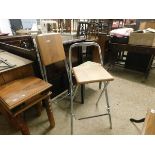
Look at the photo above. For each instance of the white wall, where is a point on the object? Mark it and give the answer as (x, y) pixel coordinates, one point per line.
(5, 26)
(27, 23)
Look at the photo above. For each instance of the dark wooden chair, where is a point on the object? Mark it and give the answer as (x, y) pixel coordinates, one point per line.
(19, 95)
(82, 29)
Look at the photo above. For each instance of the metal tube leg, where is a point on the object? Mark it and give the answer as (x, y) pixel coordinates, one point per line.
(68, 73)
(82, 93)
(72, 115)
(67, 69)
(108, 107)
(71, 101)
(75, 91)
(100, 85)
(105, 86)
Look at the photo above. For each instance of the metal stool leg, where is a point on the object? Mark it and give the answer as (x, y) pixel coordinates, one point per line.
(75, 91)
(105, 86)
(71, 104)
(108, 107)
(72, 95)
(82, 93)
(100, 85)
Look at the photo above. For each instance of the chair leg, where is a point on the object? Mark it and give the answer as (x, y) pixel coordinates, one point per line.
(105, 86)
(49, 112)
(38, 108)
(100, 85)
(10, 119)
(72, 113)
(21, 124)
(82, 93)
(108, 107)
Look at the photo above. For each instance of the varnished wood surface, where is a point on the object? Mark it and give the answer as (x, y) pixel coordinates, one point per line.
(51, 48)
(14, 60)
(149, 124)
(17, 73)
(91, 72)
(18, 91)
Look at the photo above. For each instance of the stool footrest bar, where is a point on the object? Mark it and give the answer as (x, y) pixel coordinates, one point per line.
(92, 116)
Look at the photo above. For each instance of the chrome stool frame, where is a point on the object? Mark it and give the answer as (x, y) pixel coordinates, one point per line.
(72, 94)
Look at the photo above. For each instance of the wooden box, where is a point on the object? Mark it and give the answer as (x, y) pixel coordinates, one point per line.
(147, 39)
(145, 25)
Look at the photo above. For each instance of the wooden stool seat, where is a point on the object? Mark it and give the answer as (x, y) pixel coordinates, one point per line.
(19, 95)
(89, 72)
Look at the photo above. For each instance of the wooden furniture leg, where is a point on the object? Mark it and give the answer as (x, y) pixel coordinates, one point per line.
(38, 108)
(21, 124)
(10, 119)
(49, 112)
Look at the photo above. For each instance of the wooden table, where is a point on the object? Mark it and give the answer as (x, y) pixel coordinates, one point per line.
(117, 47)
(20, 90)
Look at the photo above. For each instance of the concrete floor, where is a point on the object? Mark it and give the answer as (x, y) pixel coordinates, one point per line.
(129, 95)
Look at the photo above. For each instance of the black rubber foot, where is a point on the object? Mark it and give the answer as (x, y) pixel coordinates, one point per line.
(137, 121)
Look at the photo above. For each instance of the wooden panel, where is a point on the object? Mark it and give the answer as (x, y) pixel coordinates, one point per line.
(145, 25)
(26, 70)
(11, 75)
(18, 73)
(51, 48)
(1, 80)
(149, 124)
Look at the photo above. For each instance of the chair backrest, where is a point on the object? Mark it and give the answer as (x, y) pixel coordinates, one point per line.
(84, 45)
(51, 48)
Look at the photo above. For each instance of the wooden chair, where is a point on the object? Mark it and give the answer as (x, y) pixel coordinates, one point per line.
(82, 28)
(51, 50)
(19, 95)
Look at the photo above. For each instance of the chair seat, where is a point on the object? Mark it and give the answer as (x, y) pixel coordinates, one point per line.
(89, 72)
(19, 91)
